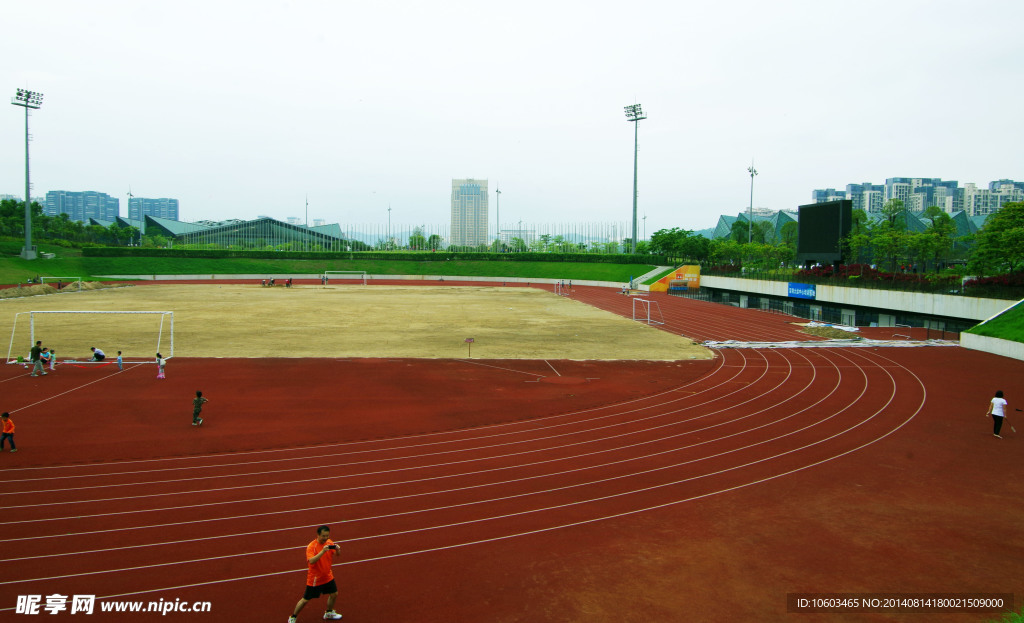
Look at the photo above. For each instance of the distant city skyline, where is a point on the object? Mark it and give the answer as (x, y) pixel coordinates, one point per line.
(917, 193)
(920, 193)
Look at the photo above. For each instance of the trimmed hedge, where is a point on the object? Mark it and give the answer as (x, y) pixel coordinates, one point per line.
(415, 256)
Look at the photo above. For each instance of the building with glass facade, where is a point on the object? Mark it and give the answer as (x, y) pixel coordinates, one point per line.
(469, 213)
(82, 205)
(140, 207)
(262, 234)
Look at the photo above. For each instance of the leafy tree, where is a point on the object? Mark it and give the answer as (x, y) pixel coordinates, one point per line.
(889, 238)
(727, 252)
(942, 234)
(434, 242)
(739, 232)
(998, 245)
(696, 248)
(894, 214)
(763, 232)
(668, 241)
(417, 241)
(789, 233)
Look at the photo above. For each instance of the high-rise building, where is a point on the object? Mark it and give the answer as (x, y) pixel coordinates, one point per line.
(469, 213)
(920, 193)
(822, 195)
(866, 196)
(82, 206)
(139, 207)
(982, 201)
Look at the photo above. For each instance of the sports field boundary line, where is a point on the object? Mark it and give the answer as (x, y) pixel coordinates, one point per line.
(39, 402)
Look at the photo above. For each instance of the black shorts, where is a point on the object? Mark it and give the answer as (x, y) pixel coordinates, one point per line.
(312, 592)
(98, 357)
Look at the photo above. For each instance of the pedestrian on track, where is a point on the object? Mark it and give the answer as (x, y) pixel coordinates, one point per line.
(8, 431)
(997, 409)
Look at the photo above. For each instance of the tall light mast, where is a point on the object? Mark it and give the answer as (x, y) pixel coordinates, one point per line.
(634, 114)
(34, 100)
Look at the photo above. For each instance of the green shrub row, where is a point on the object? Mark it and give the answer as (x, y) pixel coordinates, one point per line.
(415, 256)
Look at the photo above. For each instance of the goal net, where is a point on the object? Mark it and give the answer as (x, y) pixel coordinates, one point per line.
(139, 335)
(646, 310)
(346, 275)
(66, 284)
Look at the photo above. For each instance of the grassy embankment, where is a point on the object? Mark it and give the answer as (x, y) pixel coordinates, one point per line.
(70, 263)
(1008, 325)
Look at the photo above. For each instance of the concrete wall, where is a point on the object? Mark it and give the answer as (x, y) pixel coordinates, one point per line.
(992, 345)
(966, 307)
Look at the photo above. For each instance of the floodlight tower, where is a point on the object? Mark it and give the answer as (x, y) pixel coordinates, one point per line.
(34, 100)
(634, 114)
(750, 214)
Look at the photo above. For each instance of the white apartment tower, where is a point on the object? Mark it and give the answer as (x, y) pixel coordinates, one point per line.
(469, 213)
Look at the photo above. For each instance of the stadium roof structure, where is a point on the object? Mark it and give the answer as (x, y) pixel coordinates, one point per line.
(170, 228)
(333, 229)
(916, 222)
(96, 221)
(268, 233)
(230, 221)
(777, 219)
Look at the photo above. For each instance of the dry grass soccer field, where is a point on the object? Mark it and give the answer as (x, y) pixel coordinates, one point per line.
(341, 321)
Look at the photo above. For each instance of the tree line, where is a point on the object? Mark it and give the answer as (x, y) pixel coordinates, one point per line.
(888, 242)
(61, 228)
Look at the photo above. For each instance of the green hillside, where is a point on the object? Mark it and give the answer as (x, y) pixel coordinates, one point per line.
(1008, 325)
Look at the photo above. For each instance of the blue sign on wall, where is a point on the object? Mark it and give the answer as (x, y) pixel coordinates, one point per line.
(801, 291)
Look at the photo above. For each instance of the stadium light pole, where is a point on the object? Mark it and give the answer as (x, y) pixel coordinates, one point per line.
(634, 114)
(34, 100)
(750, 214)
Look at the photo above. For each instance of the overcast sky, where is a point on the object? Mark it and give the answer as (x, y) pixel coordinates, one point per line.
(241, 109)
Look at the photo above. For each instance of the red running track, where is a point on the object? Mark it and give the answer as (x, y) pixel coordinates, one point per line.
(515, 490)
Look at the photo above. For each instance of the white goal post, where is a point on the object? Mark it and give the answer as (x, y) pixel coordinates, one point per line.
(649, 311)
(561, 288)
(359, 275)
(64, 281)
(139, 335)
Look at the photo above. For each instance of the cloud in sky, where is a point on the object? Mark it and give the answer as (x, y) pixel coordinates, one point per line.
(243, 109)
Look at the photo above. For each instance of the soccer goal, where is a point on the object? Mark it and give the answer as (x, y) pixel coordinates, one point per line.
(139, 335)
(67, 284)
(358, 275)
(646, 310)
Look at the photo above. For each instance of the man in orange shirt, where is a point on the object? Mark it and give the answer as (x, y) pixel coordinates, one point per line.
(319, 577)
(8, 432)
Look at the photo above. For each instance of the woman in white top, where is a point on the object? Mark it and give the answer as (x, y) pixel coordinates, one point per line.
(997, 409)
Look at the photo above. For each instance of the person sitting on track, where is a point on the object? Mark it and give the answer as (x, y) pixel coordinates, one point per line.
(97, 354)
